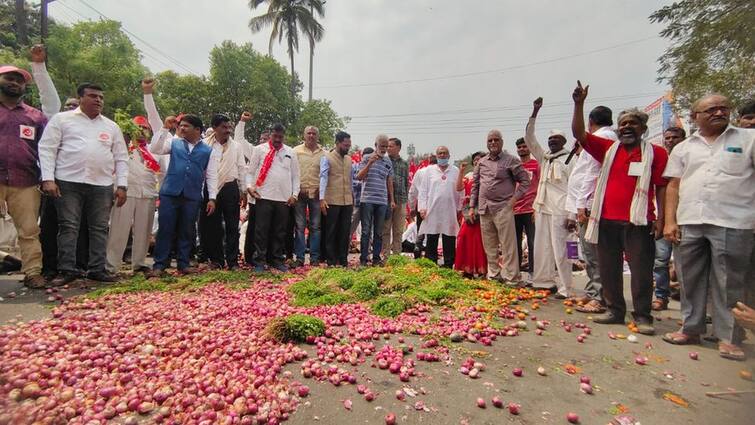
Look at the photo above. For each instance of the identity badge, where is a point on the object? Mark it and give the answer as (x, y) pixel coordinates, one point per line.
(103, 137)
(27, 132)
(636, 168)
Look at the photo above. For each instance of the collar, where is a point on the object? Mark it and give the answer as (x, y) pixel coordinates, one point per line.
(80, 112)
(20, 104)
(729, 129)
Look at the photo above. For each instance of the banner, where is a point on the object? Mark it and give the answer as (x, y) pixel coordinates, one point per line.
(660, 117)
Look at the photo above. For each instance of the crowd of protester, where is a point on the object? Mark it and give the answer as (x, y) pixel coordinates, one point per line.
(80, 194)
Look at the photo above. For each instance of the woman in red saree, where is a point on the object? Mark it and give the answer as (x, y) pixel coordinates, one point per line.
(470, 254)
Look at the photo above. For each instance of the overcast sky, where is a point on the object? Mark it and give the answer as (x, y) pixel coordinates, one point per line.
(431, 72)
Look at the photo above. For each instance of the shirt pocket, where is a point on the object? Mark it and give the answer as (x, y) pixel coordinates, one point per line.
(734, 163)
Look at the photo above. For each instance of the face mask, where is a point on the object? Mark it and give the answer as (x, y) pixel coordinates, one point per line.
(443, 161)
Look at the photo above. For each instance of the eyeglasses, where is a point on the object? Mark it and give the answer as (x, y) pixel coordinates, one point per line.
(712, 110)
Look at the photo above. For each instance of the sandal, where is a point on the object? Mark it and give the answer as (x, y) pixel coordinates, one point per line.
(680, 338)
(593, 306)
(730, 351)
(659, 304)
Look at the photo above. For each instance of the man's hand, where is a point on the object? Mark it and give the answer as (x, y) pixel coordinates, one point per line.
(38, 53)
(210, 206)
(672, 233)
(119, 197)
(50, 188)
(246, 116)
(658, 229)
(570, 225)
(291, 201)
(744, 315)
(373, 158)
(323, 207)
(253, 193)
(536, 105)
(148, 84)
(580, 93)
(582, 216)
(423, 214)
(471, 212)
(242, 201)
(393, 205)
(170, 122)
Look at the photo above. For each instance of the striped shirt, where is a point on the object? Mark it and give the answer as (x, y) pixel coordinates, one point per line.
(374, 186)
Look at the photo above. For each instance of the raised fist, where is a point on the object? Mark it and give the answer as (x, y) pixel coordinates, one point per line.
(38, 53)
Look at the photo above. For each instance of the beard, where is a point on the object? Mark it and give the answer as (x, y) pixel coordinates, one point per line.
(11, 92)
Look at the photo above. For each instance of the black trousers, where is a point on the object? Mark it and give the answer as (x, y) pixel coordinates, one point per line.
(48, 238)
(271, 222)
(337, 234)
(615, 239)
(407, 246)
(290, 235)
(249, 240)
(221, 247)
(449, 249)
(421, 241)
(525, 224)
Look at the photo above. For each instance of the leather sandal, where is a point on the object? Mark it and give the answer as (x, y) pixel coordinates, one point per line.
(680, 338)
(592, 306)
(730, 351)
(659, 304)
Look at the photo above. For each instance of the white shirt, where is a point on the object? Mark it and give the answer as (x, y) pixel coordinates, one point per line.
(232, 163)
(153, 117)
(584, 176)
(282, 181)
(410, 234)
(717, 180)
(414, 187)
(48, 96)
(554, 195)
(159, 147)
(75, 148)
(142, 182)
(439, 197)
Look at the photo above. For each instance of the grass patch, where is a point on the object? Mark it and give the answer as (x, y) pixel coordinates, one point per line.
(296, 327)
(237, 279)
(390, 290)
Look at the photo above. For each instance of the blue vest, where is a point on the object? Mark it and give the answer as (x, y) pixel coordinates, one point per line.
(186, 172)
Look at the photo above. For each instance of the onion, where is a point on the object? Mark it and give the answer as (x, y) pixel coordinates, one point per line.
(390, 419)
(572, 417)
(497, 402)
(481, 403)
(514, 408)
(584, 379)
(585, 388)
(303, 391)
(400, 395)
(641, 360)
(693, 355)
(518, 372)
(541, 371)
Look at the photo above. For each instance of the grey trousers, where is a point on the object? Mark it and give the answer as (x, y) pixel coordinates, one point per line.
(590, 255)
(713, 258)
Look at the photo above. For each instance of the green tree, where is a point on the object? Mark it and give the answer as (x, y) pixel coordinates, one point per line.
(244, 80)
(97, 52)
(320, 114)
(287, 18)
(9, 26)
(177, 94)
(712, 49)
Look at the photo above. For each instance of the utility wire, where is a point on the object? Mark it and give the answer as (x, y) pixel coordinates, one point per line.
(492, 71)
(146, 43)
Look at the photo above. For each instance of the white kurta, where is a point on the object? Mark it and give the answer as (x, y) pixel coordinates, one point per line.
(438, 195)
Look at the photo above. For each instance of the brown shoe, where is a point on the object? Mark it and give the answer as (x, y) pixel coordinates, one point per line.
(35, 282)
(188, 270)
(659, 304)
(155, 274)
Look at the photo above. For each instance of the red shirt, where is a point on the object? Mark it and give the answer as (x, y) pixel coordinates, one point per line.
(620, 186)
(524, 205)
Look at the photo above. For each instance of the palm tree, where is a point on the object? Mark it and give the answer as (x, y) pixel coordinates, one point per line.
(288, 17)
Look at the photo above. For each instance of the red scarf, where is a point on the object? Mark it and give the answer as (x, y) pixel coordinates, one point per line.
(149, 161)
(267, 163)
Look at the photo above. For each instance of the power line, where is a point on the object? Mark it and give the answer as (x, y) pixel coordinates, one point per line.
(504, 108)
(88, 19)
(146, 43)
(492, 71)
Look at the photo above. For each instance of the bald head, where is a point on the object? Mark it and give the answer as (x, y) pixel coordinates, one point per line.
(711, 114)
